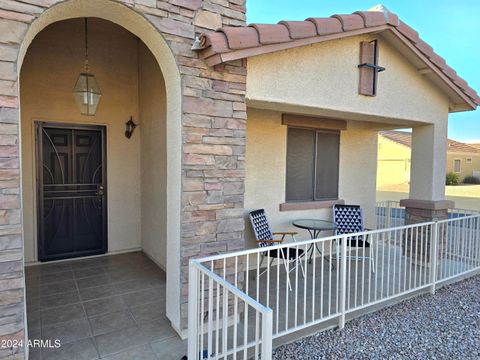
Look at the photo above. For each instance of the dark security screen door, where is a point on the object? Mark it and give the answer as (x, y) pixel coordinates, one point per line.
(71, 180)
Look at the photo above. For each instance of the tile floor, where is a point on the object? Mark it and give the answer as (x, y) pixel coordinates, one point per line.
(110, 307)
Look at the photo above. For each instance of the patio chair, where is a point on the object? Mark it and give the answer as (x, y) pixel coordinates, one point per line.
(349, 220)
(265, 238)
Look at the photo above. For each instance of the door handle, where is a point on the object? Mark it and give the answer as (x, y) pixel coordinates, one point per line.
(100, 190)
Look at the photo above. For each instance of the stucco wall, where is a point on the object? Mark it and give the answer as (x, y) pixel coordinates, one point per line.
(324, 78)
(152, 105)
(48, 75)
(266, 171)
(393, 162)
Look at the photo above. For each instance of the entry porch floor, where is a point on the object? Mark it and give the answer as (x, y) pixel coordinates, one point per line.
(110, 307)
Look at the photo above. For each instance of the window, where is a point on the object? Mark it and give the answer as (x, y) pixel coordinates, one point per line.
(469, 160)
(457, 165)
(312, 164)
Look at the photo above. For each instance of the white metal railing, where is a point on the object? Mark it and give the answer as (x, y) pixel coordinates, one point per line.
(219, 318)
(390, 214)
(283, 297)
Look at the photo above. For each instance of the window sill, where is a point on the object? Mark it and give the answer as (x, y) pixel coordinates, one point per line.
(310, 205)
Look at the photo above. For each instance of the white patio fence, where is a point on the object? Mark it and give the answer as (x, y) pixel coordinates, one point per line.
(235, 313)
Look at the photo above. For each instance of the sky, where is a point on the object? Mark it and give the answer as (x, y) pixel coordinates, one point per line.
(451, 27)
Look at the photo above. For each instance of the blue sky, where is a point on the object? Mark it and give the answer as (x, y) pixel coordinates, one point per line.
(451, 27)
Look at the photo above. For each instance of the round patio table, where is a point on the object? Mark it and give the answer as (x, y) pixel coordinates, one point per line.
(314, 228)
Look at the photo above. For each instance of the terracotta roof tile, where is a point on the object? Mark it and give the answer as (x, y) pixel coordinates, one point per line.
(438, 60)
(241, 37)
(452, 74)
(229, 39)
(408, 32)
(426, 49)
(462, 84)
(272, 33)
(300, 29)
(350, 22)
(326, 26)
(372, 18)
(405, 138)
(472, 93)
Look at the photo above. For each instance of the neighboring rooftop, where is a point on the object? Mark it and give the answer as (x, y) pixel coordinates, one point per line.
(405, 138)
(238, 42)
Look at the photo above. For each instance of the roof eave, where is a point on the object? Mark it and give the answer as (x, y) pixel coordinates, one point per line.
(466, 104)
(266, 49)
(459, 100)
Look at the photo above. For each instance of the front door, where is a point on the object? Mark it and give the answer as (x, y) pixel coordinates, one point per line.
(71, 181)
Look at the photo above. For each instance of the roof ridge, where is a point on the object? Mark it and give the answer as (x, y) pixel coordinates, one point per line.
(230, 39)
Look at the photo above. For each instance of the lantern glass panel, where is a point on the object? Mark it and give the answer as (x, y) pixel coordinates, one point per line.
(87, 94)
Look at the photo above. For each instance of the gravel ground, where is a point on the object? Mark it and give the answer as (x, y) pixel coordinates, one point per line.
(444, 326)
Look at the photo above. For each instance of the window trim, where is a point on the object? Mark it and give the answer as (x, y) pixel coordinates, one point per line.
(309, 205)
(314, 200)
(460, 167)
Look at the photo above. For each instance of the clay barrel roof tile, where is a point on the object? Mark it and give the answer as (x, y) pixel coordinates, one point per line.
(426, 49)
(350, 22)
(452, 74)
(372, 18)
(300, 29)
(408, 32)
(326, 26)
(241, 37)
(272, 33)
(438, 60)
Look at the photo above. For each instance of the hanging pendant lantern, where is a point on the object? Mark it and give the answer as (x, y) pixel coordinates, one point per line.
(86, 92)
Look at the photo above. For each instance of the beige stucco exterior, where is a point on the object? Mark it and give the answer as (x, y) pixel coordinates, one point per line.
(175, 189)
(266, 171)
(393, 162)
(152, 106)
(323, 79)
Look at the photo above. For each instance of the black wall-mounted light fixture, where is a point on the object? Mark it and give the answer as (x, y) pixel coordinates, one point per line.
(129, 128)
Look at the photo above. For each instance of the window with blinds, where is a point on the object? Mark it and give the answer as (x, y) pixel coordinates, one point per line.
(312, 164)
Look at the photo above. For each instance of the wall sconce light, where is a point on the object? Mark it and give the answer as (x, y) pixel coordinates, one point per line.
(129, 128)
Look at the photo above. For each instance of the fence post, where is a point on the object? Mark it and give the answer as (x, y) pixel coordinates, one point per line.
(192, 311)
(433, 257)
(267, 334)
(343, 281)
(388, 214)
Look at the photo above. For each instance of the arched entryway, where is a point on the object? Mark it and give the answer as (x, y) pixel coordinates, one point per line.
(138, 77)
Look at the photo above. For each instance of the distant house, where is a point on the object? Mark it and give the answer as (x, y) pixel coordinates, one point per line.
(394, 157)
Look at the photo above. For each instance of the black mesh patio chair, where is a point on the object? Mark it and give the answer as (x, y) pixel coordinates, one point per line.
(349, 220)
(265, 238)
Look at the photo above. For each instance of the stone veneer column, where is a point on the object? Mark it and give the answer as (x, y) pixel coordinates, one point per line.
(214, 127)
(420, 211)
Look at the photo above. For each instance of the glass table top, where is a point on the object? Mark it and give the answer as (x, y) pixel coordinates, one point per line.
(314, 224)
